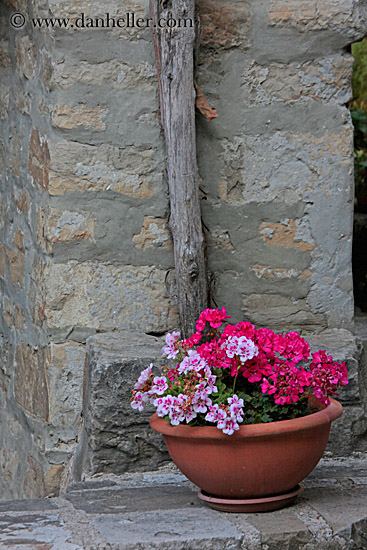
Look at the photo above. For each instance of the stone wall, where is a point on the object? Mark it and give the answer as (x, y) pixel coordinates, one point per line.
(85, 206)
(277, 164)
(24, 388)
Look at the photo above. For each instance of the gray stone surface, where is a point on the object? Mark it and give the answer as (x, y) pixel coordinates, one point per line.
(116, 438)
(178, 529)
(152, 510)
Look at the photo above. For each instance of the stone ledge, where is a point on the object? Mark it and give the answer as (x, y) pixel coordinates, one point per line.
(115, 438)
(160, 509)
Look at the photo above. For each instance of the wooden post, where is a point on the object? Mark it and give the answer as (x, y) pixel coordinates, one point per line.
(174, 44)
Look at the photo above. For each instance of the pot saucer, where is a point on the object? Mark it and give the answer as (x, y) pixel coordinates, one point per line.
(266, 504)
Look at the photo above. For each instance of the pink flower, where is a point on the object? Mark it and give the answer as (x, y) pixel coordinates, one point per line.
(176, 415)
(185, 406)
(201, 402)
(213, 355)
(326, 375)
(160, 385)
(138, 400)
(210, 380)
(144, 376)
(164, 407)
(286, 383)
(215, 414)
(229, 426)
(241, 346)
(193, 340)
(170, 350)
(214, 317)
(293, 346)
(193, 361)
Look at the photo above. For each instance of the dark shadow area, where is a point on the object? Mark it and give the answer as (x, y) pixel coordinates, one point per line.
(358, 108)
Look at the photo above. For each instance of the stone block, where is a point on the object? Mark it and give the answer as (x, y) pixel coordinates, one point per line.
(18, 240)
(178, 529)
(5, 60)
(13, 315)
(44, 531)
(39, 159)
(108, 297)
(23, 99)
(65, 225)
(114, 500)
(153, 234)
(326, 79)
(30, 383)
(23, 202)
(225, 24)
(65, 375)
(16, 261)
(26, 56)
(13, 156)
(280, 312)
(133, 172)
(9, 464)
(120, 75)
(2, 261)
(116, 438)
(81, 115)
(310, 15)
(283, 234)
(52, 480)
(4, 101)
(33, 485)
(262, 169)
(349, 432)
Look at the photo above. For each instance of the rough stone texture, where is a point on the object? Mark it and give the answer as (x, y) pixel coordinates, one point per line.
(24, 395)
(84, 203)
(114, 438)
(281, 155)
(99, 296)
(161, 510)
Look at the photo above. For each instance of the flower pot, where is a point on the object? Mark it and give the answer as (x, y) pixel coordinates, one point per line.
(256, 469)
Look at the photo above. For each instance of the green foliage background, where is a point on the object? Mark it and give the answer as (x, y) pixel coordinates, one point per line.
(359, 80)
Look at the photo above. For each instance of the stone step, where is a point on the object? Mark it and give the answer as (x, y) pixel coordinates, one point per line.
(116, 439)
(161, 510)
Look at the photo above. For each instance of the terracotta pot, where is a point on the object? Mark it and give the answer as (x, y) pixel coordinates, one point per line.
(259, 462)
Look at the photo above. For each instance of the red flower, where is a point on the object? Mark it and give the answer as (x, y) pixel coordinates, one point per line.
(214, 317)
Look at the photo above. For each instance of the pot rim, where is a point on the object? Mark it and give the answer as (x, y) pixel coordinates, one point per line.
(324, 416)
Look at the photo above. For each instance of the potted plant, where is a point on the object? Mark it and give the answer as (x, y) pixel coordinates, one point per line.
(243, 415)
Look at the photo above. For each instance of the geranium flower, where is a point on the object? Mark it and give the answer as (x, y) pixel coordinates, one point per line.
(201, 402)
(160, 385)
(229, 426)
(138, 400)
(241, 346)
(169, 350)
(266, 360)
(144, 376)
(214, 317)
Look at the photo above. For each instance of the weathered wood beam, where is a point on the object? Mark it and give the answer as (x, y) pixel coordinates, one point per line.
(175, 63)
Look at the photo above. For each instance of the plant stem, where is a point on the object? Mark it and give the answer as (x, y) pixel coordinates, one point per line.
(235, 378)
